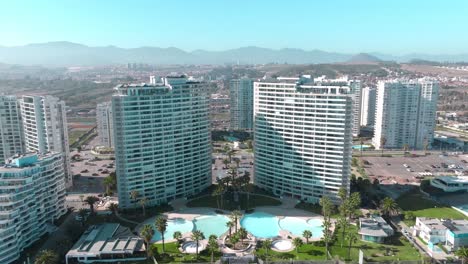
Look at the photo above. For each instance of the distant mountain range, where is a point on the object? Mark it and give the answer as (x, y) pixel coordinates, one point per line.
(72, 54)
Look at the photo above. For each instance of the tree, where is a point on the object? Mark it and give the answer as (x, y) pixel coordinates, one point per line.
(383, 140)
(46, 257)
(343, 194)
(405, 148)
(91, 200)
(177, 236)
(212, 246)
(297, 242)
(266, 245)
(307, 234)
(235, 215)
(109, 182)
(230, 224)
(197, 235)
(352, 237)
(327, 207)
(134, 195)
(218, 191)
(462, 254)
(343, 224)
(143, 202)
(113, 207)
(327, 235)
(361, 140)
(226, 163)
(82, 213)
(388, 206)
(147, 233)
(161, 226)
(242, 233)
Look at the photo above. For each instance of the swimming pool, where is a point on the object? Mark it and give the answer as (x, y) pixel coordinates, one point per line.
(358, 147)
(297, 226)
(211, 224)
(261, 224)
(231, 138)
(463, 208)
(173, 225)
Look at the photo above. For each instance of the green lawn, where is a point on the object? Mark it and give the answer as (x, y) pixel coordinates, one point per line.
(229, 204)
(422, 206)
(74, 135)
(173, 255)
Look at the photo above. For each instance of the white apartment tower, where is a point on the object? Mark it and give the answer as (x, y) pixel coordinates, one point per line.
(11, 129)
(303, 137)
(405, 113)
(241, 106)
(105, 126)
(32, 196)
(45, 128)
(368, 107)
(162, 140)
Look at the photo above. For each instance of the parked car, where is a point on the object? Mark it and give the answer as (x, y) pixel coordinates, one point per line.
(84, 171)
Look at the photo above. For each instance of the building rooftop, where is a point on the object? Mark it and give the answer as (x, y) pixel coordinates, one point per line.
(109, 238)
(456, 226)
(375, 226)
(453, 179)
(19, 162)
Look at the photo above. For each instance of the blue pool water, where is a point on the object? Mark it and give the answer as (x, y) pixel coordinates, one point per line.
(211, 224)
(464, 208)
(297, 226)
(174, 225)
(358, 147)
(261, 224)
(231, 139)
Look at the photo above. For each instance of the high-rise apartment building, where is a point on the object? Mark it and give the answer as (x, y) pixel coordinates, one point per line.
(32, 196)
(11, 129)
(405, 113)
(303, 137)
(105, 126)
(368, 107)
(162, 140)
(45, 128)
(241, 95)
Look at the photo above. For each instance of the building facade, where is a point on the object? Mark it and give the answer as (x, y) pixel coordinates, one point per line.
(32, 196)
(303, 137)
(105, 125)
(11, 129)
(45, 128)
(405, 113)
(368, 107)
(162, 140)
(241, 95)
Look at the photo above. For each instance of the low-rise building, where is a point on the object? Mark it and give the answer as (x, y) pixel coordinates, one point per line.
(451, 234)
(32, 196)
(106, 243)
(451, 183)
(374, 229)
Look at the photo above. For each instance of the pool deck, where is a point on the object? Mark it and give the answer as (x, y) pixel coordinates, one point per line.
(286, 209)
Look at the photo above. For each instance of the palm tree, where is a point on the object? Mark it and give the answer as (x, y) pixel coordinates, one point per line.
(383, 140)
(134, 195)
(307, 234)
(235, 215)
(177, 235)
(226, 162)
(197, 235)
(82, 213)
(425, 145)
(327, 207)
(266, 245)
(352, 237)
(212, 245)
(147, 233)
(234, 239)
(108, 182)
(297, 242)
(242, 233)
(218, 192)
(230, 224)
(248, 189)
(113, 207)
(462, 253)
(161, 226)
(143, 202)
(405, 149)
(327, 235)
(46, 257)
(91, 200)
(388, 206)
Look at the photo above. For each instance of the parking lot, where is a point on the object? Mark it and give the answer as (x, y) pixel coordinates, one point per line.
(392, 170)
(245, 164)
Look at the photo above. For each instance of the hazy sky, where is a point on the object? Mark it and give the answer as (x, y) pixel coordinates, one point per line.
(392, 26)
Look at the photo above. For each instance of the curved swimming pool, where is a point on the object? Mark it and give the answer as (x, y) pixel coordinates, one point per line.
(297, 226)
(211, 224)
(261, 224)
